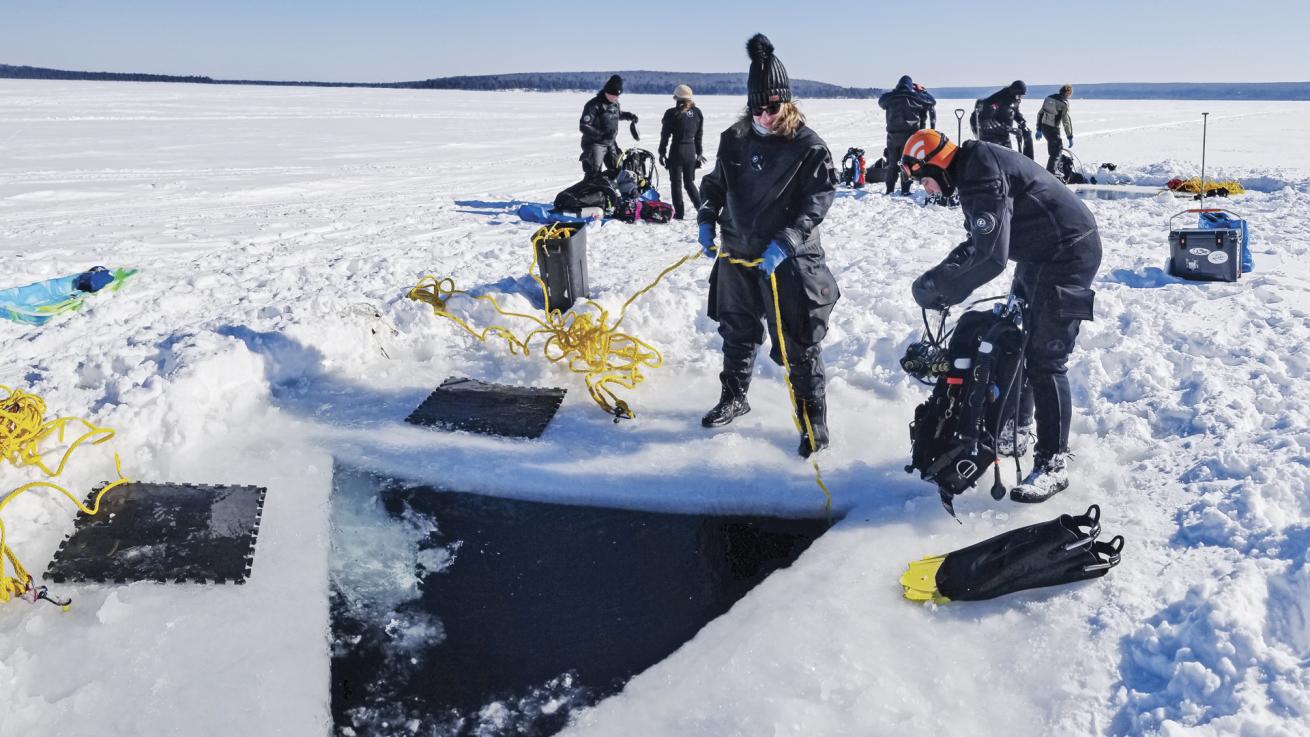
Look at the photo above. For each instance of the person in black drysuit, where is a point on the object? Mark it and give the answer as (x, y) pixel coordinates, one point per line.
(683, 124)
(772, 184)
(909, 108)
(1016, 211)
(600, 128)
(996, 117)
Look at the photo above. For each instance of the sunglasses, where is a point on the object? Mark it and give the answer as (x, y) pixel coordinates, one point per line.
(773, 108)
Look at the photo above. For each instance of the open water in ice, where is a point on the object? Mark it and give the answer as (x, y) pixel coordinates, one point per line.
(462, 614)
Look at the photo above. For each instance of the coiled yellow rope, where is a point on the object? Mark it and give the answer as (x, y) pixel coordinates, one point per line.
(23, 429)
(1193, 185)
(587, 343)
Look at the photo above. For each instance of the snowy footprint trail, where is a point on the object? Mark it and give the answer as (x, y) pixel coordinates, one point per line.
(267, 335)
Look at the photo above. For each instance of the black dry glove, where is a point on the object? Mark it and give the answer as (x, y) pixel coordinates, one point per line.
(700, 160)
(926, 294)
(632, 128)
(664, 161)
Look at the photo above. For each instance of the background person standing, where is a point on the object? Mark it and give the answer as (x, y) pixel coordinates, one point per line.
(909, 108)
(1054, 113)
(684, 125)
(600, 128)
(996, 117)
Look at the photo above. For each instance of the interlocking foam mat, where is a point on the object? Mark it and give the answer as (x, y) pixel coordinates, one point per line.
(489, 409)
(164, 532)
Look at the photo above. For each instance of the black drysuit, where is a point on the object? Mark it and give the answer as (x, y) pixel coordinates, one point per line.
(766, 188)
(908, 110)
(1015, 210)
(600, 131)
(996, 117)
(684, 128)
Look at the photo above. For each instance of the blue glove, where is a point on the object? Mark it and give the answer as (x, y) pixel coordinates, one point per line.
(706, 239)
(1070, 141)
(773, 255)
(1039, 134)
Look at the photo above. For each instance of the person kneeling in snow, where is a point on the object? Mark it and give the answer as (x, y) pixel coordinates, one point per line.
(772, 184)
(1015, 210)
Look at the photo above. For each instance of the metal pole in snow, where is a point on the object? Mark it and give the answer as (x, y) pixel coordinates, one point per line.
(1205, 124)
(959, 125)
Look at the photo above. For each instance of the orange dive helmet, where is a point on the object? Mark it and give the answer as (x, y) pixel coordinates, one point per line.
(927, 148)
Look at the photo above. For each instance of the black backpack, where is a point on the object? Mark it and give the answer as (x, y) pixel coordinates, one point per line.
(953, 436)
(592, 191)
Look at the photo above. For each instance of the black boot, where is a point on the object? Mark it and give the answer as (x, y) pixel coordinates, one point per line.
(816, 408)
(732, 404)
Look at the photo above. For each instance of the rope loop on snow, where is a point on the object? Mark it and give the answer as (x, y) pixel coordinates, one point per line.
(23, 430)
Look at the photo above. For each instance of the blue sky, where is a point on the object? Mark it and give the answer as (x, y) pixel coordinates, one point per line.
(853, 43)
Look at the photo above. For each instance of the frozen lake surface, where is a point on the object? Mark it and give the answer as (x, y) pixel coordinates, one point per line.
(268, 337)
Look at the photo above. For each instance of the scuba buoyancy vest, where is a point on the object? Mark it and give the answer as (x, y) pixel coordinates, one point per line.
(641, 163)
(953, 435)
(852, 168)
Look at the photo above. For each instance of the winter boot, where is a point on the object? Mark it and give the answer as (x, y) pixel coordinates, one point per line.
(732, 404)
(1050, 476)
(816, 408)
(1010, 445)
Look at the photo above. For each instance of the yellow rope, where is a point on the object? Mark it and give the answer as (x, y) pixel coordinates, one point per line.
(590, 345)
(587, 343)
(23, 428)
(1194, 186)
(786, 370)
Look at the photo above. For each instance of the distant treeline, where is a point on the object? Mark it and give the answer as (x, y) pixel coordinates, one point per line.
(640, 82)
(1153, 91)
(662, 83)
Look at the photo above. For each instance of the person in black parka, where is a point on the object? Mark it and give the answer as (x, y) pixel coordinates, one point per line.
(996, 117)
(1016, 211)
(908, 108)
(772, 184)
(683, 124)
(600, 128)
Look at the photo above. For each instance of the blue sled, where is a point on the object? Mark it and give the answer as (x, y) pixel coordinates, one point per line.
(37, 304)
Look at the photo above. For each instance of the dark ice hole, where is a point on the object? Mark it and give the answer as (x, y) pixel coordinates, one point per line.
(461, 614)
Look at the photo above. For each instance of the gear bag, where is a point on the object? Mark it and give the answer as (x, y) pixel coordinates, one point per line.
(1063, 550)
(953, 435)
(852, 168)
(593, 191)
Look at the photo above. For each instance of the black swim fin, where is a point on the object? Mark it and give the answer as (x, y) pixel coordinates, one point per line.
(1061, 551)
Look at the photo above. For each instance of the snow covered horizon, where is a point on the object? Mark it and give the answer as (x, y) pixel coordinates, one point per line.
(267, 335)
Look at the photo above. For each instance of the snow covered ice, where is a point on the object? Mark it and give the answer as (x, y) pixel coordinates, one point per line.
(277, 231)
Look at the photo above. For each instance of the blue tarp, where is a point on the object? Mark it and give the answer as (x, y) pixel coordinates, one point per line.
(1226, 221)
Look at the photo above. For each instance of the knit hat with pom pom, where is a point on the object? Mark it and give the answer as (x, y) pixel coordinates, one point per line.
(767, 81)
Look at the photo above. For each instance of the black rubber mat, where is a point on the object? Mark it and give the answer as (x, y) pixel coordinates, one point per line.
(489, 409)
(164, 532)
